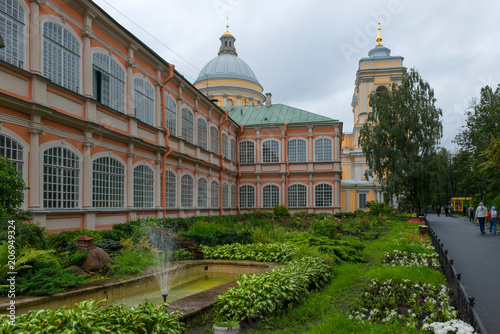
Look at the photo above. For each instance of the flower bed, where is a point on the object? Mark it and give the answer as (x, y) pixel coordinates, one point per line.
(406, 259)
(413, 303)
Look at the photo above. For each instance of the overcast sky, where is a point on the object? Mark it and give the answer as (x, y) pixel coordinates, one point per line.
(306, 53)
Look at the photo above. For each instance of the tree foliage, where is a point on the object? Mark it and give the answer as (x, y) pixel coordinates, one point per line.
(11, 188)
(399, 139)
(475, 141)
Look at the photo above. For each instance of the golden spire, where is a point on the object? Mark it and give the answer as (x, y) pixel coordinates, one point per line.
(227, 26)
(379, 37)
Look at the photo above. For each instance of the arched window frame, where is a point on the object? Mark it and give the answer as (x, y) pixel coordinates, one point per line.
(108, 182)
(214, 139)
(187, 186)
(202, 132)
(171, 115)
(323, 195)
(225, 145)
(323, 149)
(12, 149)
(214, 194)
(234, 196)
(170, 188)
(270, 195)
(61, 55)
(202, 192)
(13, 30)
(144, 101)
(247, 152)
(297, 150)
(108, 81)
(225, 195)
(233, 149)
(61, 185)
(247, 196)
(270, 151)
(297, 195)
(144, 186)
(187, 125)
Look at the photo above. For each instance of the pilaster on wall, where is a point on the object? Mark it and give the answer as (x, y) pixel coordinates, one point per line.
(34, 37)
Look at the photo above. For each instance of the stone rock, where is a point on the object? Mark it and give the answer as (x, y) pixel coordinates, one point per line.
(77, 270)
(96, 260)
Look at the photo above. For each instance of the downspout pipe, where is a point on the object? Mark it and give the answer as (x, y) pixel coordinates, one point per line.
(239, 172)
(171, 68)
(287, 163)
(221, 193)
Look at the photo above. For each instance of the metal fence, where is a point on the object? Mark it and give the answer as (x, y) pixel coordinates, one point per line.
(464, 303)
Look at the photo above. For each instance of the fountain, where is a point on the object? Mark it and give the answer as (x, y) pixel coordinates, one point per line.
(163, 240)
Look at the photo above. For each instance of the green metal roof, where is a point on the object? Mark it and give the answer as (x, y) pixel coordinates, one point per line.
(275, 114)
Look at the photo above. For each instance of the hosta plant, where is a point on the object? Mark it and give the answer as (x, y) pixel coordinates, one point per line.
(258, 295)
(255, 252)
(88, 317)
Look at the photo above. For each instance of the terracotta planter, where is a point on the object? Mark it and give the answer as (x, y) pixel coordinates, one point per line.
(226, 330)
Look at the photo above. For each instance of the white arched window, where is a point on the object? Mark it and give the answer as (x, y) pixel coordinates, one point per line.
(270, 196)
(234, 196)
(144, 101)
(108, 183)
(297, 195)
(323, 195)
(108, 81)
(225, 195)
(187, 191)
(247, 196)
(202, 192)
(214, 139)
(187, 125)
(170, 189)
(61, 56)
(12, 150)
(214, 194)
(297, 150)
(225, 144)
(171, 115)
(233, 149)
(247, 152)
(61, 178)
(202, 133)
(12, 30)
(323, 149)
(271, 151)
(144, 187)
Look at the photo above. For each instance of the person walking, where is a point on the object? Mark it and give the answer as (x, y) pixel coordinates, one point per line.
(493, 218)
(481, 213)
(438, 210)
(471, 213)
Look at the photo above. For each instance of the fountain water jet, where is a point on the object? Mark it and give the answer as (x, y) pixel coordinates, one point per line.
(163, 240)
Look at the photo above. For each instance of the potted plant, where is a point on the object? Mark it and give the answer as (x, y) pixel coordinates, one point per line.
(226, 326)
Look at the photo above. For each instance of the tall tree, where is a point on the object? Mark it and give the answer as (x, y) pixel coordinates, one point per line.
(399, 139)
(483, 125)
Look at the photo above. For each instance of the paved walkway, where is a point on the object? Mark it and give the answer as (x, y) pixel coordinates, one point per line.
(476, 258)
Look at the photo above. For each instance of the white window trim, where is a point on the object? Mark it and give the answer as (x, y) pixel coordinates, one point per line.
(262, 194)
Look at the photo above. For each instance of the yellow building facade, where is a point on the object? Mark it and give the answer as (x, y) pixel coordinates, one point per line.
(376, 73)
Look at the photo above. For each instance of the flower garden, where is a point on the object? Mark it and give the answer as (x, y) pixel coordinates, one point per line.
(362, 272)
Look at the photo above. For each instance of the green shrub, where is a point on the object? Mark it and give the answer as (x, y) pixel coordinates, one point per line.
(219, 237)
(110, 246)
(133, 261)
(88, 317)
(75, 259)
(331, 228)
(48, 281)
(379, 208)
(281, 211)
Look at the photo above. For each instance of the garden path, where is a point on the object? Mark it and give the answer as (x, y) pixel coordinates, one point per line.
(476, 257)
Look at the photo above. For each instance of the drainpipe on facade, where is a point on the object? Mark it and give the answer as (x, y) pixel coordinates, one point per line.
(221, 193)
(287, 170)
(171, 68)
(239, 172)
